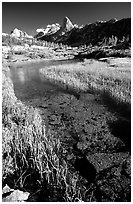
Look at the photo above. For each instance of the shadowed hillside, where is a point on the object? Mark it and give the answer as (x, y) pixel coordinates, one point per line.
(98, 33)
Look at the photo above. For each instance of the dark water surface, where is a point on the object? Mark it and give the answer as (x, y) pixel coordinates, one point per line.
(29, 83)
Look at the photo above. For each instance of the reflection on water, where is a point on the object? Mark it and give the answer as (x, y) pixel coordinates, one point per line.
(29, 83)
(21, 76)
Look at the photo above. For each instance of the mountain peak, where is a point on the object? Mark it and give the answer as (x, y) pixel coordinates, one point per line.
(55, 29)
(18, 33)
(67, 24)
(66, 17)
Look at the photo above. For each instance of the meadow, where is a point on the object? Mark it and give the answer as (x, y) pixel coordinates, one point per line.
(113, 80)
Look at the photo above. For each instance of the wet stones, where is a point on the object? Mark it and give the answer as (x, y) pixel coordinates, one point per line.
(113, 185)
(97, 143)
(92, 148)
(54, 120)
(103, 161)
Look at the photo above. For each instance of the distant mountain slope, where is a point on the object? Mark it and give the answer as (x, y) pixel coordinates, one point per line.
(98, 33)
(49, 30)
(55, 31)
(18, 33)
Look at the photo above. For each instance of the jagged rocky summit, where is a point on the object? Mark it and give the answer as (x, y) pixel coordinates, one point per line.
(67, 25)
(52, 32)
(18, 33)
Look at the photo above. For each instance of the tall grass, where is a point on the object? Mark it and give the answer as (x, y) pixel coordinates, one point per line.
(93, 75)
(28, 150)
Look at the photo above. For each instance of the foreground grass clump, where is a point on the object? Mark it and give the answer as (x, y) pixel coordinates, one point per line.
(32, 158)
(93, 75)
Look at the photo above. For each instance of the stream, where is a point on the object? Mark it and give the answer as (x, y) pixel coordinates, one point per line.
(28, 82)
(97, 139)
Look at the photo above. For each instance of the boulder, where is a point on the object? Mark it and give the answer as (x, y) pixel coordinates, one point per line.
(11, 195)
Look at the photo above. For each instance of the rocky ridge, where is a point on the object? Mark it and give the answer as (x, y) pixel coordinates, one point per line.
(49, 30)
(52, 32)
(99, 33)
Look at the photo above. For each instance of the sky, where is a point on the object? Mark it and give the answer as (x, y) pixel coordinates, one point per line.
(28, 16)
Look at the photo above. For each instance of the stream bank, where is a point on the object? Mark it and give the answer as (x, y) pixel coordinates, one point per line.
(91, 135)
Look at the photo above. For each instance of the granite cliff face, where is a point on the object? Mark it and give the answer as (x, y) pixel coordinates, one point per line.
(99, 33)
(67, 25)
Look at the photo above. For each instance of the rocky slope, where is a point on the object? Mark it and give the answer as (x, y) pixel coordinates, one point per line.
(110, 32)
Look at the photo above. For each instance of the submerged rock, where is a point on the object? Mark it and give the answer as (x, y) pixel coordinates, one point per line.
(85, 168)
(113, 185)
(103, 161)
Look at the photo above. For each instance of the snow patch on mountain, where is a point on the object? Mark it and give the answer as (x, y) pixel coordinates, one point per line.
(4, 34)
(56, 28)
(18, 33)
(49, 30)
